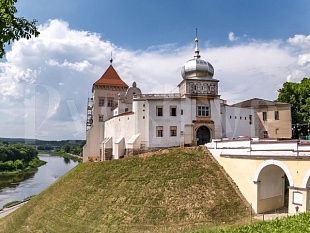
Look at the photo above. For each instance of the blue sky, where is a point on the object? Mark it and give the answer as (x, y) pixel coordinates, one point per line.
(254, 46)
(136, 24)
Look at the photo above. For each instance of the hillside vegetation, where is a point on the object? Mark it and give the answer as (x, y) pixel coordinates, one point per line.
(172, 191)
(292, 224)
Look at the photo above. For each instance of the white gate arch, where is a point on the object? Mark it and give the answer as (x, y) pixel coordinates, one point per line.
(277, 163)
(306, 178)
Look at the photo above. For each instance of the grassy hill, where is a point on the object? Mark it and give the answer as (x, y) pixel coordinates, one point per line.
(174, 190)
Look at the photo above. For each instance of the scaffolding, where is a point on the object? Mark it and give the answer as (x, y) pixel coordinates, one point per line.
(89, 121)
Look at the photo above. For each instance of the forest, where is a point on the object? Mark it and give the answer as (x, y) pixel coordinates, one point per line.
(18, 158)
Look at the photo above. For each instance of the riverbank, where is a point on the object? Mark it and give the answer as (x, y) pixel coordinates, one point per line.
(18, 187)
(73, 157)
(30, 168)
(7, 211)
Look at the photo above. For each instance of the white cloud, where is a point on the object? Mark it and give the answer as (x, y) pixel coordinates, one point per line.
(232, 37)
(78, 66)
(45, 81)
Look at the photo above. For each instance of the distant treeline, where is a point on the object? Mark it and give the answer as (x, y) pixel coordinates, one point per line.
(72, 149)
(37, 142)
(15, 157)
(75, 149)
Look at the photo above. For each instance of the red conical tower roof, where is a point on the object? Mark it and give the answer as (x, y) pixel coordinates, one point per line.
(110, 78)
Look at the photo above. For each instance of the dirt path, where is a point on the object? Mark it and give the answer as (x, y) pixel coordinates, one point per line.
(7, 211)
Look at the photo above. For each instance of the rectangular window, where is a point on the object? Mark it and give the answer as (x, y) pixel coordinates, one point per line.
(159, 131)
(202, 110)
(159, 111)
(250, 119)
(110, 102)
(276, 115)
(264, 116)
(100, 118)
(265, 134)
(173, 110)
(126, 109)
(173, 131)
(181, 111)
(101, 102)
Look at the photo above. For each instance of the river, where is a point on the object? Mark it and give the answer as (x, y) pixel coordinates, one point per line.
(36, 182)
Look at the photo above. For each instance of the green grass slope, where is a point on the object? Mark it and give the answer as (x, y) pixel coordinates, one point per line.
(172, 191)
(292, 224)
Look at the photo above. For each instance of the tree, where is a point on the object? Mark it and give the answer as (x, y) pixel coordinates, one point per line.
(66, 148)
(13, 28)
(298, 95)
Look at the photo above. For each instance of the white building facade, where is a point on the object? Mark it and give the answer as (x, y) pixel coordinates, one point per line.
(122, 121)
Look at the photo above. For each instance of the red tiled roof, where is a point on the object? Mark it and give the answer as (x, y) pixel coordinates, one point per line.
(110, 78)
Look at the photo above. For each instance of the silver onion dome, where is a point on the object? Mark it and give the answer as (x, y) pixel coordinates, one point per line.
(197, 68)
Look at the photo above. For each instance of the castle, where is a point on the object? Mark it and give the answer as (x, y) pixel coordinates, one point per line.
(121, 121)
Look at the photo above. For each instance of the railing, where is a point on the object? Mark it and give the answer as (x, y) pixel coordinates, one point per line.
(157, 96)
(261, 148)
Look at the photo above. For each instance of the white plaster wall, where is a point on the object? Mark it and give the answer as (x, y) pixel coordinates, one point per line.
(216, 116)
(118, 127)
(233, 144)
(274, 146)
(141, 111)
(236, 122)
(166, 121)
(119, 148)
(188, 106)
(304, 147)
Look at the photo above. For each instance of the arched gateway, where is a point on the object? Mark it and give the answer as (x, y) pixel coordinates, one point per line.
(272, 178)
(203, 135)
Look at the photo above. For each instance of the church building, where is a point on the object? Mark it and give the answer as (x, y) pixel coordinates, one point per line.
(122, 121)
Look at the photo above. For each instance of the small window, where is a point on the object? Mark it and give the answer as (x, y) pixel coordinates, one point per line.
(264, 116)
(173, 131)
(277, 131)
(250, 119)
(240, 118)
(202, 110)
(245, 118)
(100, 118)
(159, 131)
(276, 115)
(159, 111)
(143, 117)
(265, 134)
(229, 117)
(110, 102)
(101, 102)
(173, 110)
(181, 111)
(126, 109)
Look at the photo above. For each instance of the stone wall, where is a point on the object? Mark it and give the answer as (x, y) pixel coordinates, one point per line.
(107, 154)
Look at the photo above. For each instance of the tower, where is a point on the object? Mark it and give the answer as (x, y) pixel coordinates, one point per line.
(105, 94)
(198, 84)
